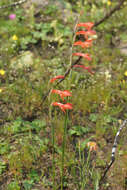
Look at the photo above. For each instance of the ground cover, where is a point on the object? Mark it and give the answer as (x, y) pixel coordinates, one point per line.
(35, 47)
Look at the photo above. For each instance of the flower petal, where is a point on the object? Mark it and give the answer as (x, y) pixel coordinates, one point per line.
(12, 16)
(86, 68)
(87, 25)
(66, 93)
(125, 73)
(2, 72)
(86, 33)
(62, 94)
(68, 106)
(57, 77)
(14, 37)
(81, 32)
(86, 44)
(92, 146)
(63, 107)
(59, 105)
(85, 55)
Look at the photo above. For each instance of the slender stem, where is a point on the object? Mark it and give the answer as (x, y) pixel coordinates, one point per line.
(53, 160)
(63, 150)
(81, 165)
(53, 149)
(74, 36)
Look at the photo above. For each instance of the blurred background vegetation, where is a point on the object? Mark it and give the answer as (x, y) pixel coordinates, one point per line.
(35, 47)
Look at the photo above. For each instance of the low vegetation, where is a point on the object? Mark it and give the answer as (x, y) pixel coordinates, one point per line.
(43, 144)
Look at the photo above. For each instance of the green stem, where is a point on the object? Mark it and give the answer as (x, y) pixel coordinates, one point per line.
(53, 154)
(53, 150)
(63, 150)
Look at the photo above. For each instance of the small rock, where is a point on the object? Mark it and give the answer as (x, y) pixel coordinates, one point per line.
(25, 60)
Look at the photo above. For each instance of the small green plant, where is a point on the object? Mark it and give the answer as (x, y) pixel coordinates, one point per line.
(4, 148)
(13, 185)
(19, 126)
(2, 167)
(28, 184)
(78, 130)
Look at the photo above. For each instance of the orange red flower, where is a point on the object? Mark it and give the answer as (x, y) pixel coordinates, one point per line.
(86, 33)
(63, 107)
(86, 68)
(92, 146)
(87, 25)
(86, 44)
(62, 94)
(57, 77)
(85, 55)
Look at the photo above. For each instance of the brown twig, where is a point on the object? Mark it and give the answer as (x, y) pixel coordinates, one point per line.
(108, 14)
(68, 70)
(115, 144)
(113, 10)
